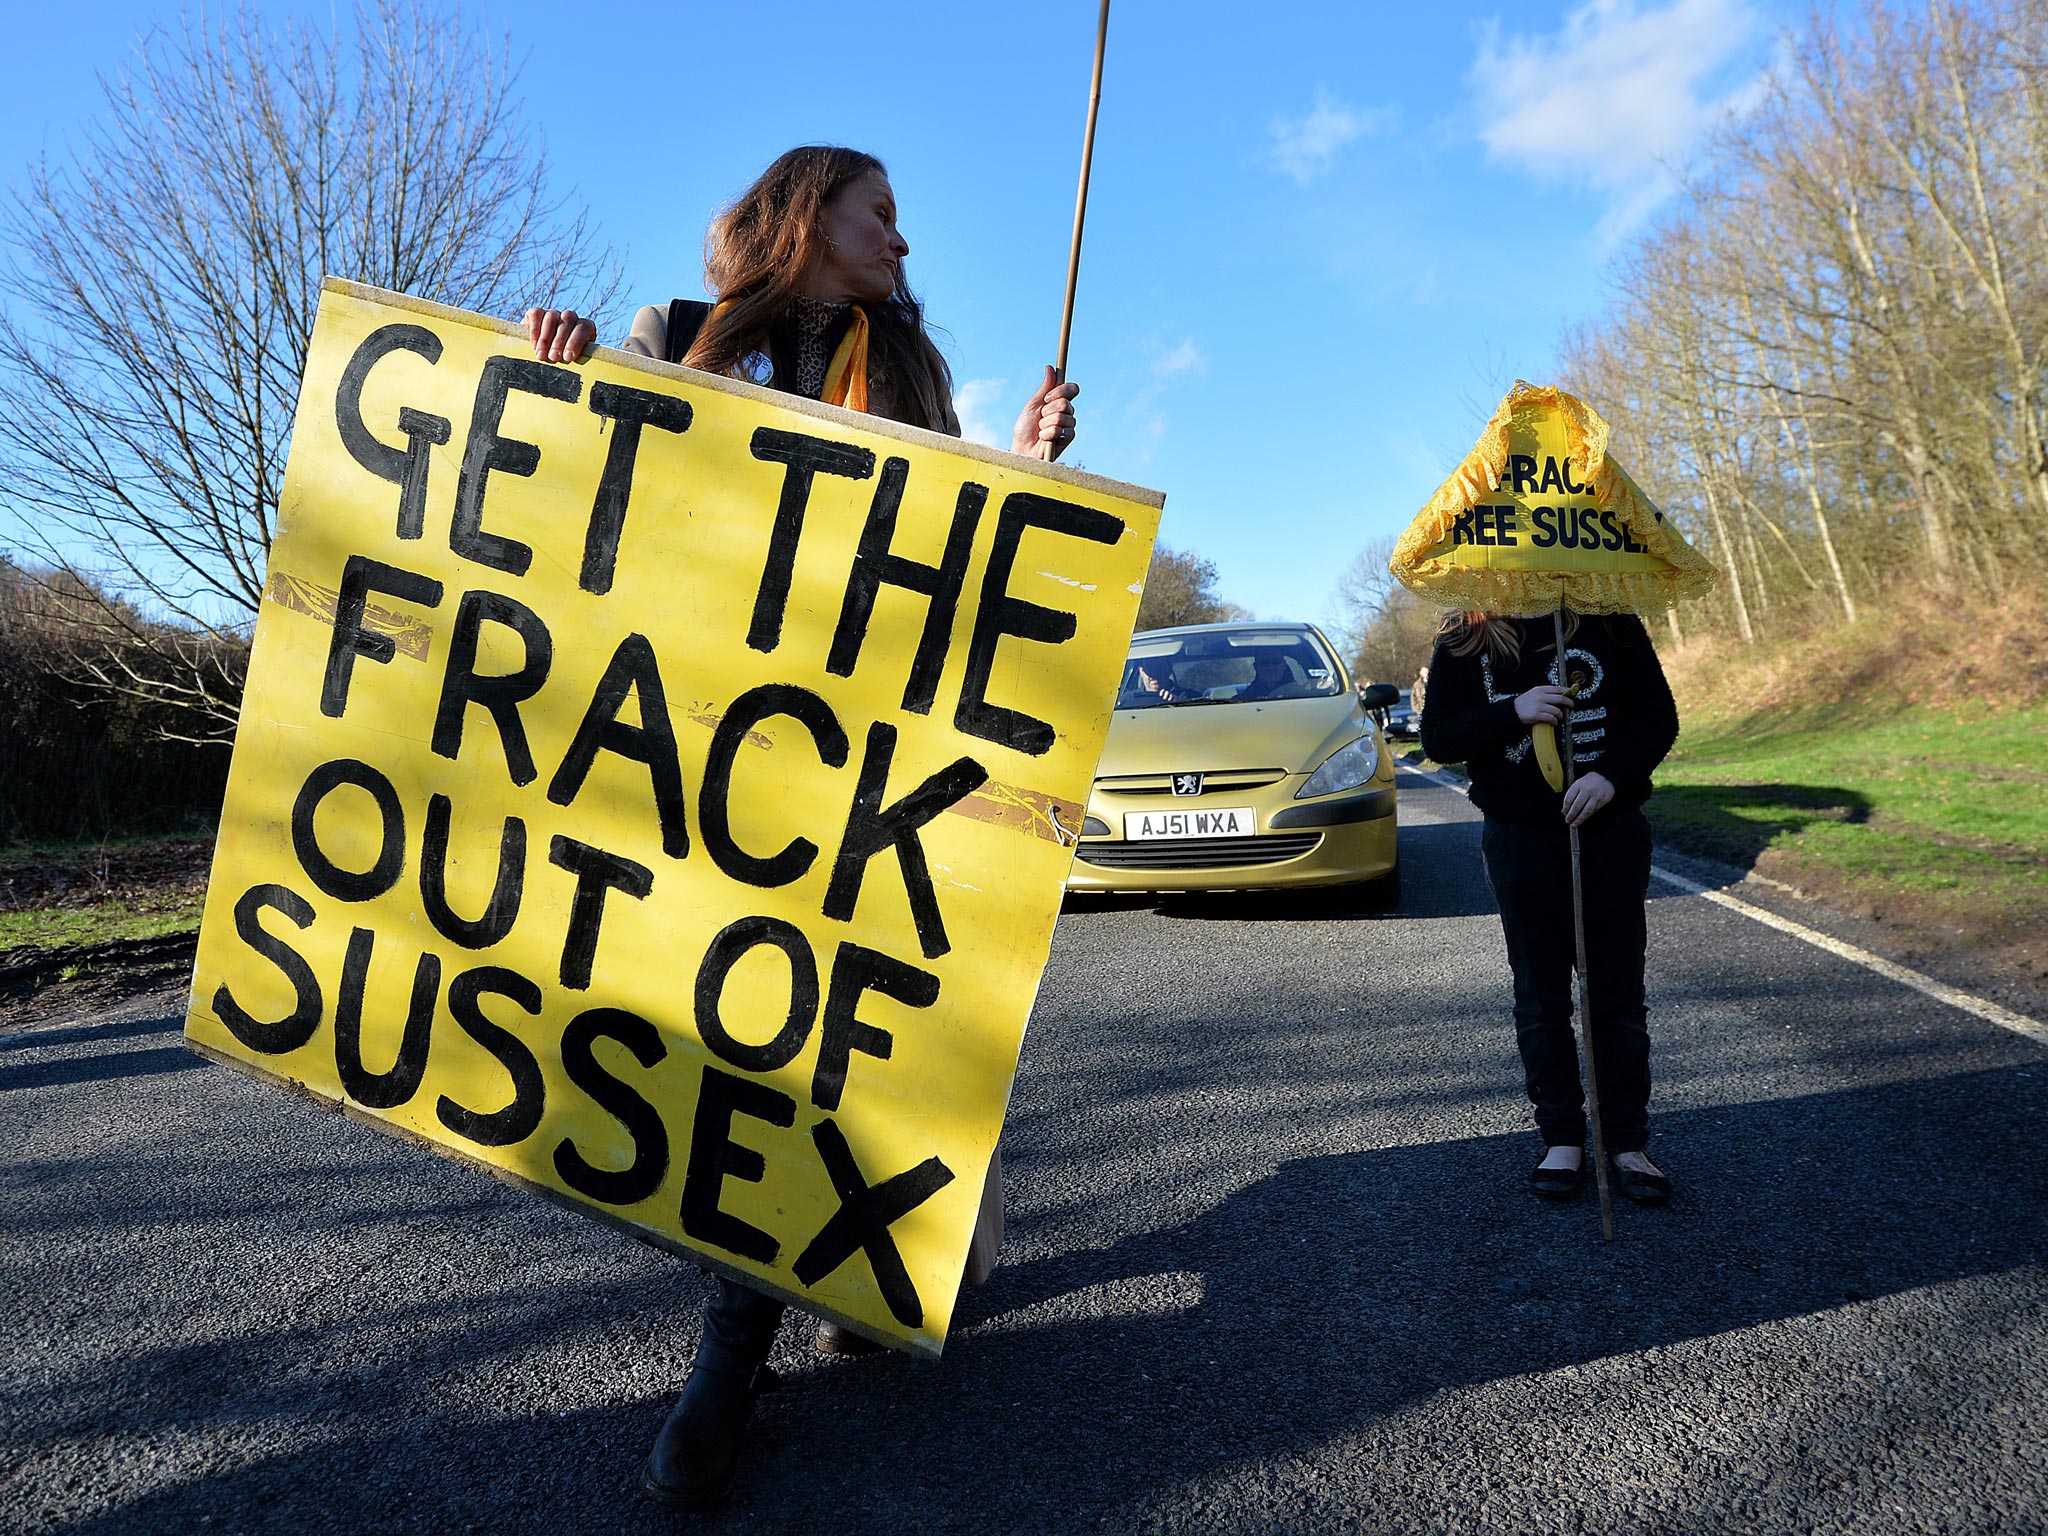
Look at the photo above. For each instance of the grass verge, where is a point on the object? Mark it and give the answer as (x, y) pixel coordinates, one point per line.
(61, 894)
(1933, 818)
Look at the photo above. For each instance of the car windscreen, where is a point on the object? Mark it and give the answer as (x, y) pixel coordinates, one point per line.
(1239, 666)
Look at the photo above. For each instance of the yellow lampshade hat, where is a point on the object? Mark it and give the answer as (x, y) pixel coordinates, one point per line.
(1540, 516)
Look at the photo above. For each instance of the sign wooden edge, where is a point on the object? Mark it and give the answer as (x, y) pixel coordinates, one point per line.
(880, 426)
(912, 1346)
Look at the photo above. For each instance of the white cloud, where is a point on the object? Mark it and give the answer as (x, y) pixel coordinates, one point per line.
(974, 402)
(1622, 92)
(1304, 147)
(1185, 358)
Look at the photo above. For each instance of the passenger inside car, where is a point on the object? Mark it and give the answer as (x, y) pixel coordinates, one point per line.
(1273, 677)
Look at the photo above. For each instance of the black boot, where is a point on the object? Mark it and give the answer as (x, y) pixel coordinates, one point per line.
(697, 1454)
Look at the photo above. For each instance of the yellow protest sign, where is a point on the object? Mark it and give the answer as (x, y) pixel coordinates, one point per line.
(659, 791)
(1540, 516)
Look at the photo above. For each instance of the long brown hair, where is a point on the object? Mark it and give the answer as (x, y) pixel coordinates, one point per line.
(1500, 637)
(760, 251)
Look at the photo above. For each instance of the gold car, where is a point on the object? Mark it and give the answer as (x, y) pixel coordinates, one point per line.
(1240, 758)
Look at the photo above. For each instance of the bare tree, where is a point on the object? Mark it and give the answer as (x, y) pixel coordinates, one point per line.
(1180, 588)
(160, 296)
(1830, 361)
(1386, 630)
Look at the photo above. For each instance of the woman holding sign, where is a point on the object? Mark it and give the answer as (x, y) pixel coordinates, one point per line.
(807, 267)
(810, 298)
(1494, 684)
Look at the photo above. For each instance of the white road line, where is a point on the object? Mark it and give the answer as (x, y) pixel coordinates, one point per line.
(1940, 991)
(1905, 976)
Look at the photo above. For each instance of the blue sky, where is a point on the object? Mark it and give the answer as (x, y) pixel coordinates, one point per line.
(1322, 238)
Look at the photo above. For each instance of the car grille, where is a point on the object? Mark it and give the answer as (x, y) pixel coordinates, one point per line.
(1206, 853)
(1228, 781)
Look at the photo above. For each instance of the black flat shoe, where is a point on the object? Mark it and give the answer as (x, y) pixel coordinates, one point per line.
(1643, 1188)
(835, 1340)
(1556, 1183)
(696, 1456)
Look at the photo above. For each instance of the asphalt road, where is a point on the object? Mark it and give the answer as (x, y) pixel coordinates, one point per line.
(1272, 1267)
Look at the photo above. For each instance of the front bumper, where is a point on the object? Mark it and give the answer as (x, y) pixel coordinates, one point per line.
(1336, 840)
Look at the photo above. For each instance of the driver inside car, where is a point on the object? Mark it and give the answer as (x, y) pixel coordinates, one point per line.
(1147, 684)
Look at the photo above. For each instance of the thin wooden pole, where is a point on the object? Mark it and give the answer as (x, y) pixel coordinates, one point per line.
(1564, 742)
(1081, 198)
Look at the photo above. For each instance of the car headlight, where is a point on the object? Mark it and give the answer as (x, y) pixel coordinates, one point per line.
(1348, 767)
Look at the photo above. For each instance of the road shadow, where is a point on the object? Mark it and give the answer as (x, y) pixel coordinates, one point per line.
(1329, 1295)
(24, 1075)
(1732, 824)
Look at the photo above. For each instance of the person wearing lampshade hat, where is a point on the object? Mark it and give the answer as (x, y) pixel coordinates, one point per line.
(1494, 682)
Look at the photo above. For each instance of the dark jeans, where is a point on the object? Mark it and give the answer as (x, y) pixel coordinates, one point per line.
(739, 1331)
(1528, 864)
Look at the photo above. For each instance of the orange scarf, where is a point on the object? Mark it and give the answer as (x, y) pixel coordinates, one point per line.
(846, 376)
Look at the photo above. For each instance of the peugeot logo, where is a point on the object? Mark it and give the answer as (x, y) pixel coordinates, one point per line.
(1187, 783)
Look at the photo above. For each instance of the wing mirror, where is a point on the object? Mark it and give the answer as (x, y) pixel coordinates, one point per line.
(1380, 696)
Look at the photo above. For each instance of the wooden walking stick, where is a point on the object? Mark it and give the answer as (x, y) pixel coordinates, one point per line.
(1579, 934)
(1081, 198)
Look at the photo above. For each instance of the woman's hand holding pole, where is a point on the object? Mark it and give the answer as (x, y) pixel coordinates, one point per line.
(1046, 424)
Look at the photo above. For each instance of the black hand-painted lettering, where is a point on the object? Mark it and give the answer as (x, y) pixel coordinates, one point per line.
(1461, 528)
(803, 458)
(863, 1220)
(874, 565)
(1552, 480)
(519, 1119)
(486, 451)
(870, 828)
(641, 1177)
(500, 694)
(632, 669)
(714, 809)
(401, 466)
(388, 1089)
(1000, 614)
(1545, 519)
(734, 941)
(629, 410)
(503, 908)
(328, 876)
(422, 431)
(716, 1157)
(857, 971)
(1613, 536)
(597, 873)
(1522, 473)
(360, 576)
(274, 1037)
